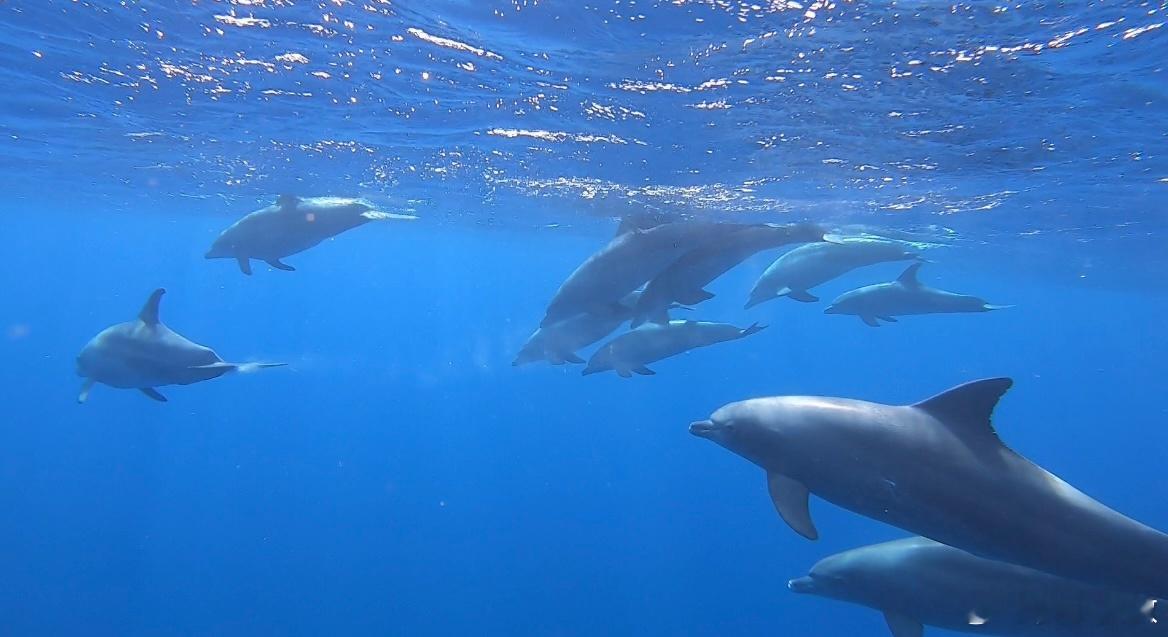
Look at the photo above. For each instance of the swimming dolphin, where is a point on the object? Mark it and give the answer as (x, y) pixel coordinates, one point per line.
(917, 582)
(807, 266)
(144, 353)
(904, 296)
(683, 281)
(938, 469)
(290, 226)
(630, 352)
(558, 342)
(627, 262)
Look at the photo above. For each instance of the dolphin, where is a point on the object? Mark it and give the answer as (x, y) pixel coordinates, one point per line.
(290, 226)
(917, 582)
(807, 266)
(628, 261)
(630, 352)
(684, 280)
(904, 296)
(558, 342)
(937, 468)
(144, 353)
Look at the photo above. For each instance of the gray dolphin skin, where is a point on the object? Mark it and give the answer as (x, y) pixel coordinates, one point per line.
(292, 225)
(937, 468)
(684, 280)
(144, 353)
(807, 266)
(558, 342)
(902, 297)
(625, 264)
(630, 352)
(917, 582)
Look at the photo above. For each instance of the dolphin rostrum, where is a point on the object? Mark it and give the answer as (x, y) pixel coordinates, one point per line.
(807, 266)
(937, 468)
(290, 226)
(628, 261)
(917, 582)
(144, 353)
(904, 296)
(685, 279)
(630, 352)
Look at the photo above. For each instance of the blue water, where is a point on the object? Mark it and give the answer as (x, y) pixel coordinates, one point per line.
(400, 477)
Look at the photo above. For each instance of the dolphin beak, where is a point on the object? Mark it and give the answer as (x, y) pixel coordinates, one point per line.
(588, 371)
(702, 428)
(801, 585)
(830, 310)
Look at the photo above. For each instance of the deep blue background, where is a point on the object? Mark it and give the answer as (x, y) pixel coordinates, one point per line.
(400, 477)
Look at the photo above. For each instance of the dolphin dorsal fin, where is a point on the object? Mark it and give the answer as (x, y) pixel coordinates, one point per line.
(970, 406)
(149, 313)
(908, 278)
(287, 202)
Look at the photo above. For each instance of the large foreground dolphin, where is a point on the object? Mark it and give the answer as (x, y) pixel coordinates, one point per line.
(143, 354)
(630, 352)
(628, 261)
(938, 469)
(807, 266)
(290, 226)
(904, 296)
(917, 582)
(685, 279)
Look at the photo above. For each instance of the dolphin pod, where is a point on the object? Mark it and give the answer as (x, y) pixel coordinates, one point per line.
(917, 582)
(937, 468)
(902, 297)
(290, 226)
(144, 354)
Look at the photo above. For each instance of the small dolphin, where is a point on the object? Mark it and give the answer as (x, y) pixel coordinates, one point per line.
(904, 296)
(684, 280)
(917, 582)
(938, 469)
(558, 342)
(630, 352)
(807, 266)
(627, 262)
(144, 353)
(290, 226)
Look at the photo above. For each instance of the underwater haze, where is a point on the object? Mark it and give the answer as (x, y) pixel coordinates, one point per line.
(400, 476)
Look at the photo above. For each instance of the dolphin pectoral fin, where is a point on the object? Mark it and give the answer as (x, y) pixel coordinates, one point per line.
(573, 358)
(244, 265)
(644, 371)
(790, 499)
(870, 321)
(803, 296)
(890, 319)
(624, 373)
(903, 626)
(280, 265)
(85, 389)
(693, 297)
(153, 394)
(754, 328)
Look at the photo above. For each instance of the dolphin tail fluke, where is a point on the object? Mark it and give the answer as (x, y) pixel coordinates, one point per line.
(753, 329)
(86, 387)
(989, 307)
(376, 215)
(903, 625)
